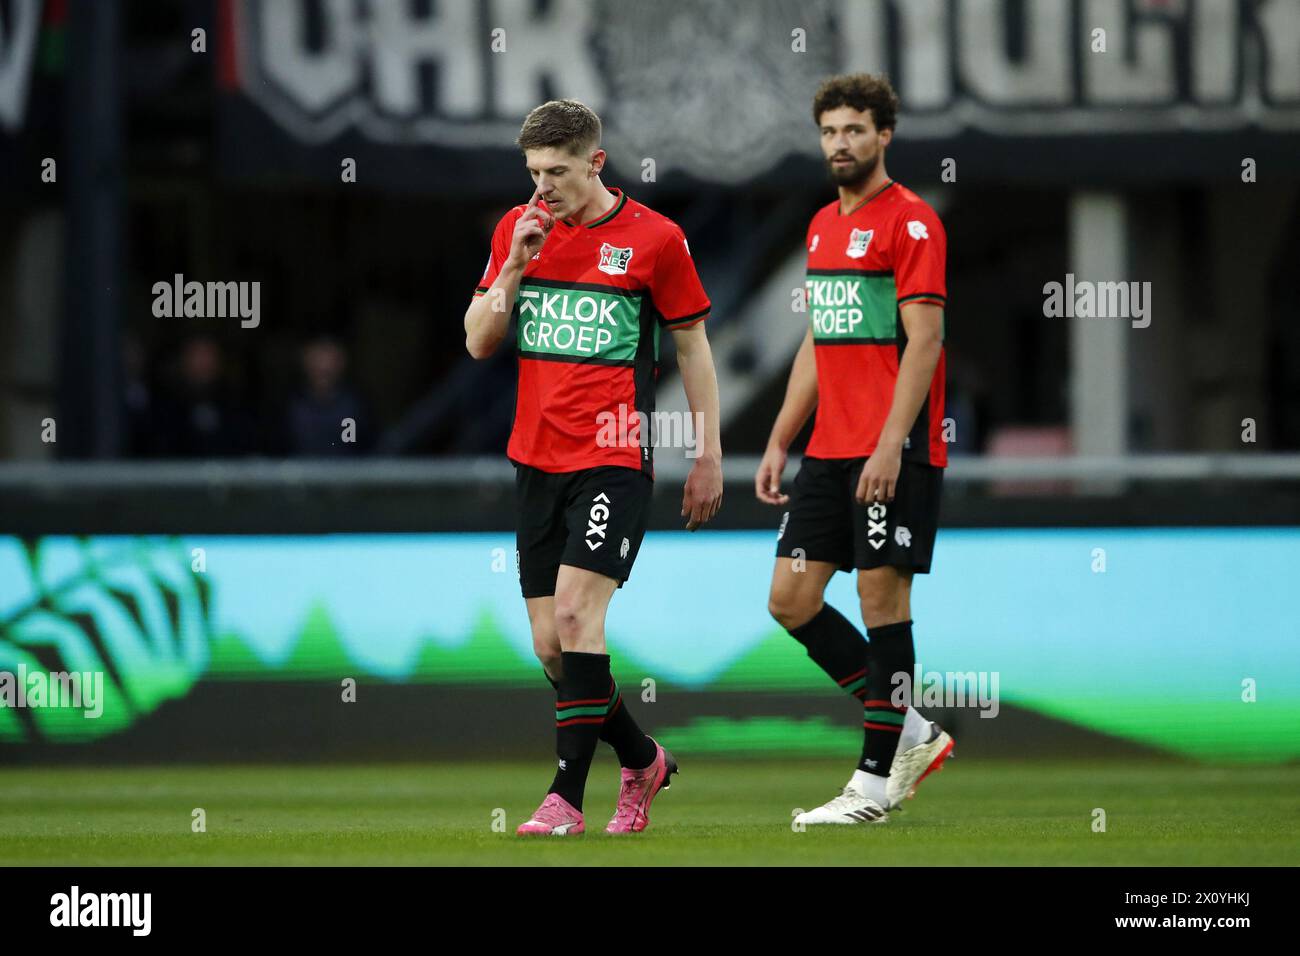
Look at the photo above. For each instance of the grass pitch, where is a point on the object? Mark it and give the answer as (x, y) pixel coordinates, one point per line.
(719, 812)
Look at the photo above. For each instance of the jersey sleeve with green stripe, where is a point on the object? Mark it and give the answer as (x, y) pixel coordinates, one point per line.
(864, 266)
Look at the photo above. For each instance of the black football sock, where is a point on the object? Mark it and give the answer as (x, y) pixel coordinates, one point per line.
(837, 647)
(892, 654)
(582, 703)
(635, 750)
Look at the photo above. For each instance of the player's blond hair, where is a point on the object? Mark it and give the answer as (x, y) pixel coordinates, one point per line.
(564, 124)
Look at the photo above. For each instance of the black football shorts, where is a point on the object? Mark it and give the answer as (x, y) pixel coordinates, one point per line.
(825, 523)
(592, 519)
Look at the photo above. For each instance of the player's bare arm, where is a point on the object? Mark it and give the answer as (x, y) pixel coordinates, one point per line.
(800, 400)
(488, 317)
(702, 496)
(923, 322)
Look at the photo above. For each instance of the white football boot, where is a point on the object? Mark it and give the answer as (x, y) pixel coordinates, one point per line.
(912, 766)
(851, 806)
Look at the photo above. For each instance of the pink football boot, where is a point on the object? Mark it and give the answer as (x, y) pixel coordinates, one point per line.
(638, 789)
(555, 817)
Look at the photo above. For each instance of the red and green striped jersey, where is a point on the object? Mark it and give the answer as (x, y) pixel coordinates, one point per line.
(862, 267)
(587, 319)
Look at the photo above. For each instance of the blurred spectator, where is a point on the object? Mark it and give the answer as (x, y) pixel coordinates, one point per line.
(138, 400)
(966, 405)
(200, 417)
(327, 418)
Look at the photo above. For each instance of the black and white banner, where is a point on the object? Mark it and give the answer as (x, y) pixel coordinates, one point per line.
(720, 92)
(31, 103)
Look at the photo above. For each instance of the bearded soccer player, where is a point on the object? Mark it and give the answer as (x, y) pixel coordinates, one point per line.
(866, 496)
(592, 278)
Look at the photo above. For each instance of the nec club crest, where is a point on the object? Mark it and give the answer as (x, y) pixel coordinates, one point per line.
(614, 260)
(858, 242)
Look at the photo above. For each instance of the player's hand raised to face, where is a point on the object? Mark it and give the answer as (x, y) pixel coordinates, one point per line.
(767, 483)
(702, 496)
(531, 230)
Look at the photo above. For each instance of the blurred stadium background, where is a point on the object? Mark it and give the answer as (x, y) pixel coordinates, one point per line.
(178, 509)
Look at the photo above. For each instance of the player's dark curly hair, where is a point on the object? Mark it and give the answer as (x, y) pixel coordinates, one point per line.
(561, 123)
(861, 91)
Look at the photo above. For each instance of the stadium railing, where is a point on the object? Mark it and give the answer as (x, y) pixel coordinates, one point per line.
(467, 494)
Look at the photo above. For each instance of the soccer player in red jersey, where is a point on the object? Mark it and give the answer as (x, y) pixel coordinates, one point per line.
(867, 493)
(592, 278)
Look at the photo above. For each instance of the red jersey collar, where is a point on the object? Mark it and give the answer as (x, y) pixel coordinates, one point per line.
(864, 201)
(600, 221)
